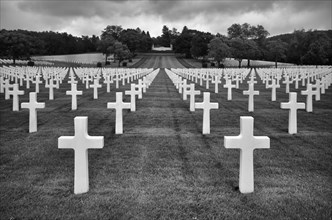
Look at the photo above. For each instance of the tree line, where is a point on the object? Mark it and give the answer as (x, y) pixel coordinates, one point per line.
(243, 41)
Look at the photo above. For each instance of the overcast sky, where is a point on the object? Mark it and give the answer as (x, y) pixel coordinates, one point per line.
(88, 17)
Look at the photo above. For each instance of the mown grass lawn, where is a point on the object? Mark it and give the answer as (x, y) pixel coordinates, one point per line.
(162, 167)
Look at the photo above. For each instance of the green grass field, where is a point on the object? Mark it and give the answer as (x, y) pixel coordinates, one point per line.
(162, 167)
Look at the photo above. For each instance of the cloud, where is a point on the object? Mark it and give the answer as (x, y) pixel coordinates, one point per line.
(87, 17)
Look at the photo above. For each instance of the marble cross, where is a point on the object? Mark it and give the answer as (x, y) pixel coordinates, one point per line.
(80, 143)
(7, 87)
(192, 92)
(37, 82)
(216, 82)
(309, 93)
(74, 93)
(229, 87)
(132, 92)
(15, 93)
(51, 87)
(32, 105)
(293, 106)
(251, 92)
(206, 105)
(287, 82)
(95, 87)
(119, 105)
(247, 143)
(274, 87)
(140, 87)
(107, 81)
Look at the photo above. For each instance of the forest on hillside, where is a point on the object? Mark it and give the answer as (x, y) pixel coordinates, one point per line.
(243, 42)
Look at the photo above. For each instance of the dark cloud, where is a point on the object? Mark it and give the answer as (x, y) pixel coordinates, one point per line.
(91, 16)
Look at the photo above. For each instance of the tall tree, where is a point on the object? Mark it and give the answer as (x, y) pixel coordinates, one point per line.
(238, 50)
(317, 53)
(235, 31)
(16, 44)
(105, 46)
(198, 46)
(131, 38)
(165, 37)
(121, 51)
(111, 31)
(277, 50)
(253, 38)
(218, 50)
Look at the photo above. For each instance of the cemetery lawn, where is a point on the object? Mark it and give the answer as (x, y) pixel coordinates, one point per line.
(162, 167)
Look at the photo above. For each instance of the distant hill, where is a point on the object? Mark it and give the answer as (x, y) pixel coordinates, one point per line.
(307, 47)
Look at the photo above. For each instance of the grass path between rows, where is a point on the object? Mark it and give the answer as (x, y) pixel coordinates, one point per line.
(162, 167)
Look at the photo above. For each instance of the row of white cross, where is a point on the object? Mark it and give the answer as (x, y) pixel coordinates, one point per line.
(246, 141)
(5, 87)
(81, 141)
(323, 79)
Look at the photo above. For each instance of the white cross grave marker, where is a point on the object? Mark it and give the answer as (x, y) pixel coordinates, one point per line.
(318, 89)
(107, 81)
(32, 105)
(95, 87)
(15, 93)
(309, 93)
(7, 87)
(274, 87)
(2, 83)
(247, 143)
(216, 81)
(251, 92)
(293, 106)
(206, 105)
(229, 87)
(287, 82)
(119, 105)
(80, 143)
(185, 88)
(37, 82)
(51, 87)
(132, 92)
(140, 87)
(74, 93)
(192, 92)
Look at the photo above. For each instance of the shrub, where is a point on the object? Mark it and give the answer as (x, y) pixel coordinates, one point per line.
(107, 63)
(124, 64)
(99, 64)
(31, 63)
(204, 65)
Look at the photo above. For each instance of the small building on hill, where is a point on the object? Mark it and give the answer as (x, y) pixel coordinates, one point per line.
(170, 48)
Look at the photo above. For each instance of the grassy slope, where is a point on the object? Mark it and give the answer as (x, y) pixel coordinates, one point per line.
(162, 166)
(231, 63)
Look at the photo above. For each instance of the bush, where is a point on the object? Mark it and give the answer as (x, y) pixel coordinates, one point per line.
(124, 64)
(107, 63)
(31, 63)
(213, 64)
(204, 65)
(130, 60)
(99, 64)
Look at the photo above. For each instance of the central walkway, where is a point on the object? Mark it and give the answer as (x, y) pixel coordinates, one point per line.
(162, 110)
(162, 153)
